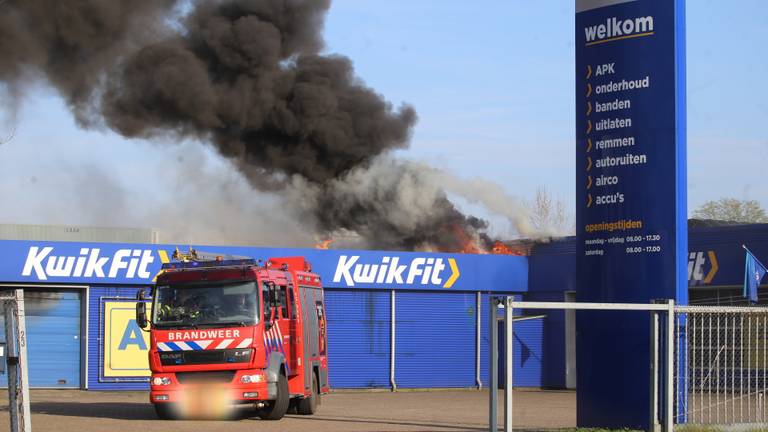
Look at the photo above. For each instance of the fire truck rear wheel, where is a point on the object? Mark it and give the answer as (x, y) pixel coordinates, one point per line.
(308, 406)
(276, 409)
(165, 411)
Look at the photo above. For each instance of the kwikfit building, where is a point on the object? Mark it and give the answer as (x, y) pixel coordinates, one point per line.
(395, 319)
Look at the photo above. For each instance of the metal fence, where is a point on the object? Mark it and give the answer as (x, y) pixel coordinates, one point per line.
(721, 365)
(662, 382)
(717, 355)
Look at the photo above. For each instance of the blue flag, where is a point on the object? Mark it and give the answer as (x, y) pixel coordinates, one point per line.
(753, 274)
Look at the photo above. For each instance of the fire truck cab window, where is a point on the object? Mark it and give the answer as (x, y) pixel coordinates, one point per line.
(266, 301)
(195, 305)
(292, 298)
(283, 295)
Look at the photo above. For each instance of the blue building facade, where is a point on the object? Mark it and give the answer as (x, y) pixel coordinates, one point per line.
(80, 299)
(715, 277)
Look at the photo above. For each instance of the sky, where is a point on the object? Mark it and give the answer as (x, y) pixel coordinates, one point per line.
(492, 82)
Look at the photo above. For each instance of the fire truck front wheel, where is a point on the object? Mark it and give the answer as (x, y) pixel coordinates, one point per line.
(276, 409)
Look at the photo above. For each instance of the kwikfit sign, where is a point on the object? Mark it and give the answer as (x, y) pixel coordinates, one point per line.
(394, 270)
(43, 263)
(139, 264)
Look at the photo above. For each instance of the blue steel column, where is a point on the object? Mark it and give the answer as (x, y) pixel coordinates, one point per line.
(392, 340)
(478, 340)
(493, 369)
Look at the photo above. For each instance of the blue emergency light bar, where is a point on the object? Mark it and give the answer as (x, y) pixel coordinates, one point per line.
(212, 263)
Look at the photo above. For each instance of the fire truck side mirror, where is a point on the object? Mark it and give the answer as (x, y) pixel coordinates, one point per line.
(141, 309)
(141, 314)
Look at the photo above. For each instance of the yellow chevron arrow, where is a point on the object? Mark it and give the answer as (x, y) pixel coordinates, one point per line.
(713, 269)
(589, 182)
(163, 260)
(589, 126)
(589, 163)
(454, 273)
(589, 200)
(589, 107)
(589, 89)
(589, 145)
(589, 71)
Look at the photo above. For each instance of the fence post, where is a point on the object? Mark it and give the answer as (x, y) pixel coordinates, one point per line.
(493, 369)
(654, 423)
(509, 360)
(16, 344)
(669, 387)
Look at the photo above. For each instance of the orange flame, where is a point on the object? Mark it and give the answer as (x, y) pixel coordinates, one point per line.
(468, 244)
(325, 244)
(500, 248)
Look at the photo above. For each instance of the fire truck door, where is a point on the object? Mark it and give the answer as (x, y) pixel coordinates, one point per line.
(284, 324)
(321, 337)
(293, 335)
(310, 331)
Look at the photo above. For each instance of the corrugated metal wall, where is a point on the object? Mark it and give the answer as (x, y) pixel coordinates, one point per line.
(484, 364)
(74, 233)
(524, 340)
(435, 339)
(358, 338)
(96, 339)
(54, 339)
(528, 353)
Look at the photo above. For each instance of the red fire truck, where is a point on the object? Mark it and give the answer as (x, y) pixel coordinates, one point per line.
(226, 332)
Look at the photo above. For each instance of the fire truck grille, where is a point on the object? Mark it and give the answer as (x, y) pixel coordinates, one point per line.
(208, 377)
(199, 357)
(178, 358)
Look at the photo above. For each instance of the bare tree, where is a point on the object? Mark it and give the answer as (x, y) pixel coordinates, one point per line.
(8, 138)
(733, 210)
(549, 214)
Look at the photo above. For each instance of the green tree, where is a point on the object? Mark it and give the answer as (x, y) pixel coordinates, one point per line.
(733, 210)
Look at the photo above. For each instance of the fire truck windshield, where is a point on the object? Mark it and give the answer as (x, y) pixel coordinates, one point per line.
(205, 305)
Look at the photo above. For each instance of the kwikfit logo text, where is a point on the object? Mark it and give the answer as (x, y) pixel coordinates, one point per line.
(420, 271)
(128, 263)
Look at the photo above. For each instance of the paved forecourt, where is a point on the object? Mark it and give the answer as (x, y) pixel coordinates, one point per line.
(462, 410)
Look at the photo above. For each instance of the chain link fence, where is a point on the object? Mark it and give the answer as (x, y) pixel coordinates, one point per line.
(720, 365)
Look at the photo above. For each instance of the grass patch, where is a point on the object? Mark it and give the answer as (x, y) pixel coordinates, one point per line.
(698, 428)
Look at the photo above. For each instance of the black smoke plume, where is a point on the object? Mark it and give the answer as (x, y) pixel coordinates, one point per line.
(250, 77)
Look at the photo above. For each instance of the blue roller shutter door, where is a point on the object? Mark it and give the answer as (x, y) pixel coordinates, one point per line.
(527, 352)
(53, 336)
(435, 339)
(358, 338)
(484, 338)
(528, 348)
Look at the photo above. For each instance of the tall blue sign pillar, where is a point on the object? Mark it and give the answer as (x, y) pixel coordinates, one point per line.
(630, 194)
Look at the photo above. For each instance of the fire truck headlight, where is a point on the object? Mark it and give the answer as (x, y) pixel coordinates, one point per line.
(160, 381)
(249, 379)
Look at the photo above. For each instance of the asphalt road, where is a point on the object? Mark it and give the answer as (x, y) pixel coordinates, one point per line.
(466, 410)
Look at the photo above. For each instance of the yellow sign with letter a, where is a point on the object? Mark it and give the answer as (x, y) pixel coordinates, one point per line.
(126, 346)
